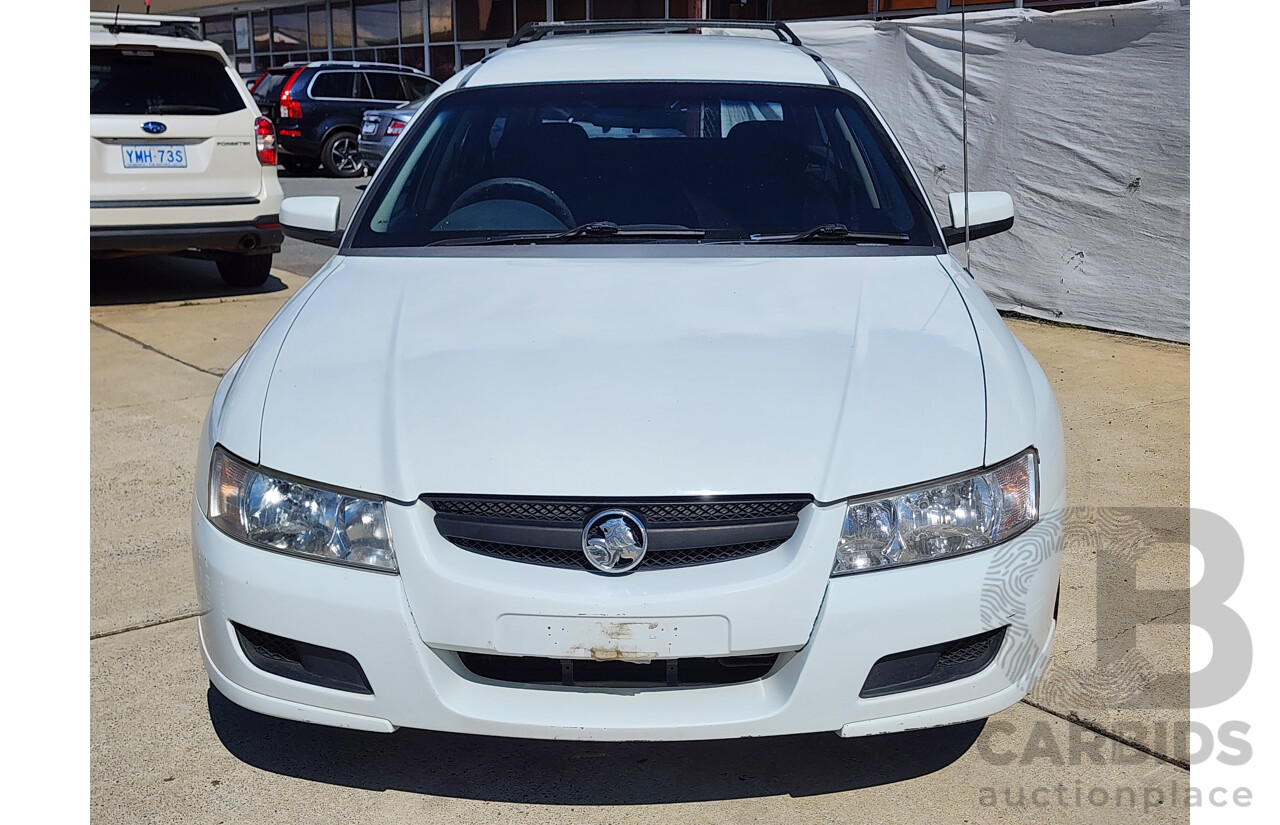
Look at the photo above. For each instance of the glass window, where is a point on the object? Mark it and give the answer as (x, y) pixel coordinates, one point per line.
(377, 23)
(386, 86)
(415, 57)
(902, 5)
(738, 10)
(485, 20)
(724, 9)
(242, 34)
(442, 62)
(417, 87)
(410, 21)
(157, 82)
(805, 9)
(343, 33)
(334, 84)
(732, 160)
(261, 32)
(268, 89)
(441, 12)
(628, 9)
(571, 9)
(388, 54)
(220, 31)
(530, 11)
(289, 29)
(319, 28)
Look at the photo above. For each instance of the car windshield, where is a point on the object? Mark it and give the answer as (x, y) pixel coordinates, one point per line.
(732, 162)
(145, 81)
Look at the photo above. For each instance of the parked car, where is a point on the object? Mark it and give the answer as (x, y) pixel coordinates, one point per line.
(638, 402)
(380, 129)
(319, 107)
(181, 160)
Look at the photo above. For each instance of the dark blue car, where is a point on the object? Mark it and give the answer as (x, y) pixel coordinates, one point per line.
(317, 108)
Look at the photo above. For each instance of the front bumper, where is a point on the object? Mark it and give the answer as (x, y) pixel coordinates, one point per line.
(814, 687)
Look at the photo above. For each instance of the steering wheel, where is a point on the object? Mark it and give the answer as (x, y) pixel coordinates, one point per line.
(519, 189)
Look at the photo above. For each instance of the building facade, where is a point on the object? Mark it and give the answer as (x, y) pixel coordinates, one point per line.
(442, 36)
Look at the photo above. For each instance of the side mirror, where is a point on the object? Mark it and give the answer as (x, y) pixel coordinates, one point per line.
(989, 214)
(313, 218)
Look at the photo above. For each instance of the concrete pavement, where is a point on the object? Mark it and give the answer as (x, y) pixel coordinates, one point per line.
(165, 748)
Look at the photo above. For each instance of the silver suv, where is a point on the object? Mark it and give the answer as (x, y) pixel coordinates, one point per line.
(181, 159)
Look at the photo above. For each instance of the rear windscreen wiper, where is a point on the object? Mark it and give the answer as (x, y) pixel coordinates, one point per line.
(182, 109)
(587, 231)
(833, 232)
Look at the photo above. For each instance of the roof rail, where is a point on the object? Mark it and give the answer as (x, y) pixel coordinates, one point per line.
(364, 64)
(165, 25)
(531, 32)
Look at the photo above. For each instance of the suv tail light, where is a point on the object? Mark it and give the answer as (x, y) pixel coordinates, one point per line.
(288, 106)
(266, 141)
(395, 127)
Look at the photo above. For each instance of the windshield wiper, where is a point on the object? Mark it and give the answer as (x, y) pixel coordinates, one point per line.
(833, 232)
(182, 109)
(587, 231)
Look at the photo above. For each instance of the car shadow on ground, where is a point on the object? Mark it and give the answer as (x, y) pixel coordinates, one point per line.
(583, 773)
(151, 279)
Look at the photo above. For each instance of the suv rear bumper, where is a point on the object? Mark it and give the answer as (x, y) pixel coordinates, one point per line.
(262, 234)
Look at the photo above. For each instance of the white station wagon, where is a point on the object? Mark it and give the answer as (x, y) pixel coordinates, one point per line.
(641, 401)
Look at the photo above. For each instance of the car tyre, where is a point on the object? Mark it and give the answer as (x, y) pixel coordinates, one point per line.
(244, 270)
(297, 165)
(340, 156)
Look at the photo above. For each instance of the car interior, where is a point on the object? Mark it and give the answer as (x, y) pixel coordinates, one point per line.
(671, 160)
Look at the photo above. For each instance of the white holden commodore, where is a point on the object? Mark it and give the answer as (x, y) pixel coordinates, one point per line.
(641, 400)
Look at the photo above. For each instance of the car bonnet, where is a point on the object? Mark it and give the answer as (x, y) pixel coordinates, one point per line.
(635, 376)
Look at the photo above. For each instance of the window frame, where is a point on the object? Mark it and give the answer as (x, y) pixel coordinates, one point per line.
(354, 72)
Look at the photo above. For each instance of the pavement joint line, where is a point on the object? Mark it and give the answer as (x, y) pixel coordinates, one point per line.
(1128, 628)
(1133, 409)
(1115, 737)
(147, 403)
(144, 625)
(147, 346)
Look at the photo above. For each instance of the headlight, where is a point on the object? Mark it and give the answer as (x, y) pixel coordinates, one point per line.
(939, 519)
(291, 517)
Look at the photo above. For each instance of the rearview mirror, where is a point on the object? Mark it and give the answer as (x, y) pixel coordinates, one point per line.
(313, 218)
(989, 213)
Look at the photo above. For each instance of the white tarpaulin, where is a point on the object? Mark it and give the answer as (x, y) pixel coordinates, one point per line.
(1083, 116)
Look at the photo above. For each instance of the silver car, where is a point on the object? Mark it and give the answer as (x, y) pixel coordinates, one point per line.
(380, 129)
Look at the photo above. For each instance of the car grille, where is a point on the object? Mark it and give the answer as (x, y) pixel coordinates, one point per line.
(682, 532)
(689, 672)
(575, 560)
